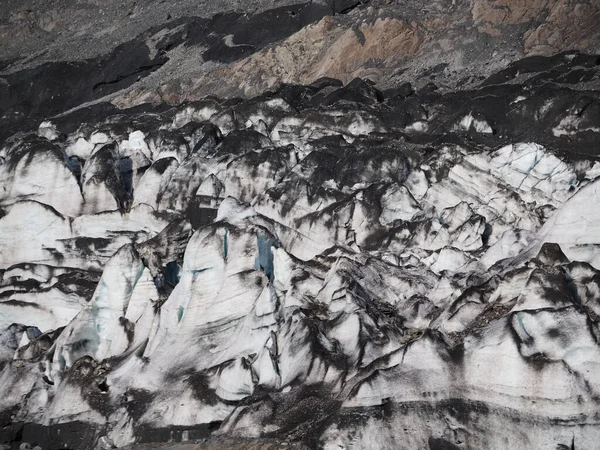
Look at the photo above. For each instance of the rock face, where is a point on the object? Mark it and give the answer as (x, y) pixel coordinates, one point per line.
(330, 261)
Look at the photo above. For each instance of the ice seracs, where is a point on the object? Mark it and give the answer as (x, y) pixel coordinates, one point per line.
(319, 263)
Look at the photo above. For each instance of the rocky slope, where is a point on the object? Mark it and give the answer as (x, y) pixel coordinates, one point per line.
(337, 258)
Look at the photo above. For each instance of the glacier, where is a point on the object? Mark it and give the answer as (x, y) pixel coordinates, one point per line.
(328, 265)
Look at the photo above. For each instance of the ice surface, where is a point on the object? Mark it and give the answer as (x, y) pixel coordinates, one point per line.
(269, 266)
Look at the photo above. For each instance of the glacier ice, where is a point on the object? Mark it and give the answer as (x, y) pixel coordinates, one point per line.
(330, 267)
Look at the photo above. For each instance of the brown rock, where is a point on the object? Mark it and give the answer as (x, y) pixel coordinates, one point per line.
(507, 12)
(321, 50)
(568, 26)
(554, 25)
